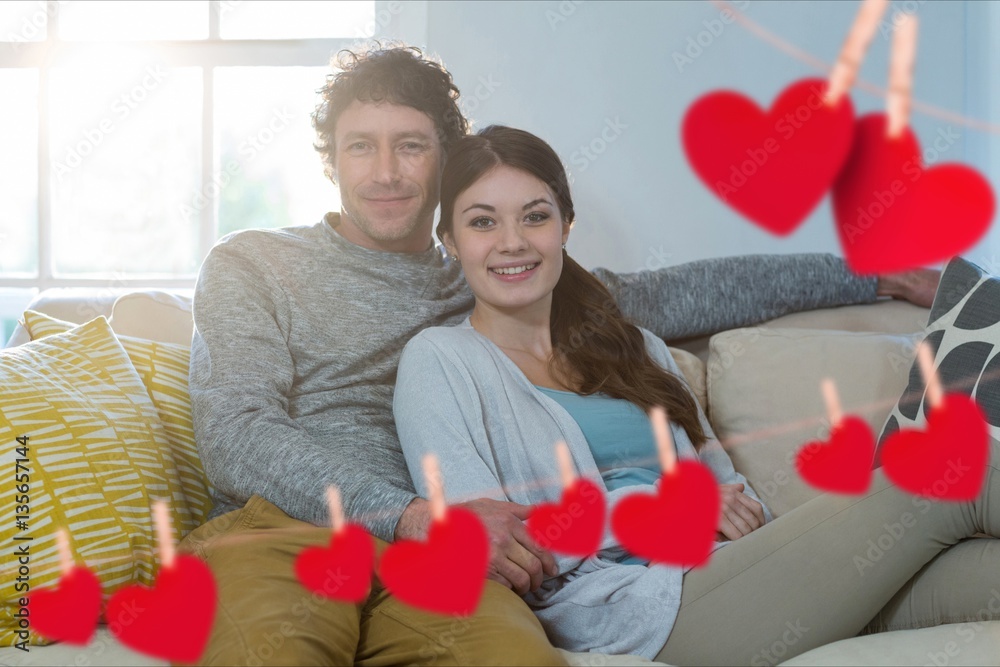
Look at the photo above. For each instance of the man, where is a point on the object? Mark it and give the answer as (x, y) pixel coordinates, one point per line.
(298, 334)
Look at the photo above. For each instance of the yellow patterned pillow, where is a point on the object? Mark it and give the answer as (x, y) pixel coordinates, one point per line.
(96, 459)
(163, 368)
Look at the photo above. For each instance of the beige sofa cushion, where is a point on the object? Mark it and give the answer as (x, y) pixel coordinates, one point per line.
(154, 315)
(76, 304)
(970, 643)
(693, 370)
(761, 408)
(158, 315)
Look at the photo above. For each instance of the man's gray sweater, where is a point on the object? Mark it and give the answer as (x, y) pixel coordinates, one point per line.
(298, 333)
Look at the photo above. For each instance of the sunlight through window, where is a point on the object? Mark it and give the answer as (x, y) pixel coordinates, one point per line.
(296, 19)
(19, 172)
(22, 21)
(155, 133)
(269, 172)
(125, 153)
(100, 20)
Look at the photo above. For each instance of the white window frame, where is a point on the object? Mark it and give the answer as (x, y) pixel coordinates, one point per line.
(394, 20)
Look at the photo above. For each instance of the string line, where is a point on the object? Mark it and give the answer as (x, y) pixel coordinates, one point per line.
(816, 63)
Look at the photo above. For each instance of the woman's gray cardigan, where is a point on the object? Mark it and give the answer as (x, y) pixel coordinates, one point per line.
(460, 397)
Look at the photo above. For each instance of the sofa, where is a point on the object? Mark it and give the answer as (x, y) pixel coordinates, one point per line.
(760, 387)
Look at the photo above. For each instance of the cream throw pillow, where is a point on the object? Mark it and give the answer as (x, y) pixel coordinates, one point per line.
(766, 402)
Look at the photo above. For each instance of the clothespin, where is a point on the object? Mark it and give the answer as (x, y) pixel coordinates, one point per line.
(834, 412)
(935, 394)
(336, 509)
(435, 488)
(566, 473)
(845, 70)
(164, 534)
(664, 442)
(903, 55)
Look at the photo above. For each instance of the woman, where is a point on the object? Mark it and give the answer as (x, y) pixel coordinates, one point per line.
(546, 356)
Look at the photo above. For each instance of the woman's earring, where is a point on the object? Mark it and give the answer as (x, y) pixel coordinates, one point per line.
(455, 258)
(564, 246)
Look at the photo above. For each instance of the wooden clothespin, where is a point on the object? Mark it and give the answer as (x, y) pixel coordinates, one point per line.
(903, 55)
(164, 534)
(664, 441)
(845, 70)
(435, 488)
(935, 394)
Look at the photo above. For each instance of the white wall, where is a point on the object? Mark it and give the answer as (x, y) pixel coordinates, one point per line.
(566, 70)
(982, 100)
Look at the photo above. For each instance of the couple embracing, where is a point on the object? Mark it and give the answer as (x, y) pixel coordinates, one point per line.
(495, 370)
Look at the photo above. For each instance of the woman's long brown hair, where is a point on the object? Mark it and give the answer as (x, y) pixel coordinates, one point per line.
(593, 343)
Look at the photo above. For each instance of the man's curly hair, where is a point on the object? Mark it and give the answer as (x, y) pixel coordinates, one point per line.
(397, 74)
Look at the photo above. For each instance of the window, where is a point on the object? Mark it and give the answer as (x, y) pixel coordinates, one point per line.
(135, 134)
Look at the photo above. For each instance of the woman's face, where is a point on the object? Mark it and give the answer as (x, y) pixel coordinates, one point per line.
(508, 234)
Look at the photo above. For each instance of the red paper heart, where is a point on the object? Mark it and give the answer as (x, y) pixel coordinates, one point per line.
(69, 612)
(772, 167)
(572, 526)
(677, 525)
(844, 465)
(893, 214)
(445, 574)
(173, 619)
(344, 570)
(946, 461)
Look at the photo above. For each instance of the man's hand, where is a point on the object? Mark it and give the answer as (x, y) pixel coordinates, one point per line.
(516, 561)
(917, 286)
(741, 514)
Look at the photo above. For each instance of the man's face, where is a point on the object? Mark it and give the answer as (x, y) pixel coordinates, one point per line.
(388, 167)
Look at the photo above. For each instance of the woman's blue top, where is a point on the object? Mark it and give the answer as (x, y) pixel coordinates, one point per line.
(619, 434)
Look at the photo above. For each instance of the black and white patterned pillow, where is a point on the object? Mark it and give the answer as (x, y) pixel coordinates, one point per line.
(963, 330)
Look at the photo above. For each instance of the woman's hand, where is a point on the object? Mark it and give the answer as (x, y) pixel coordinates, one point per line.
(741, 514)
